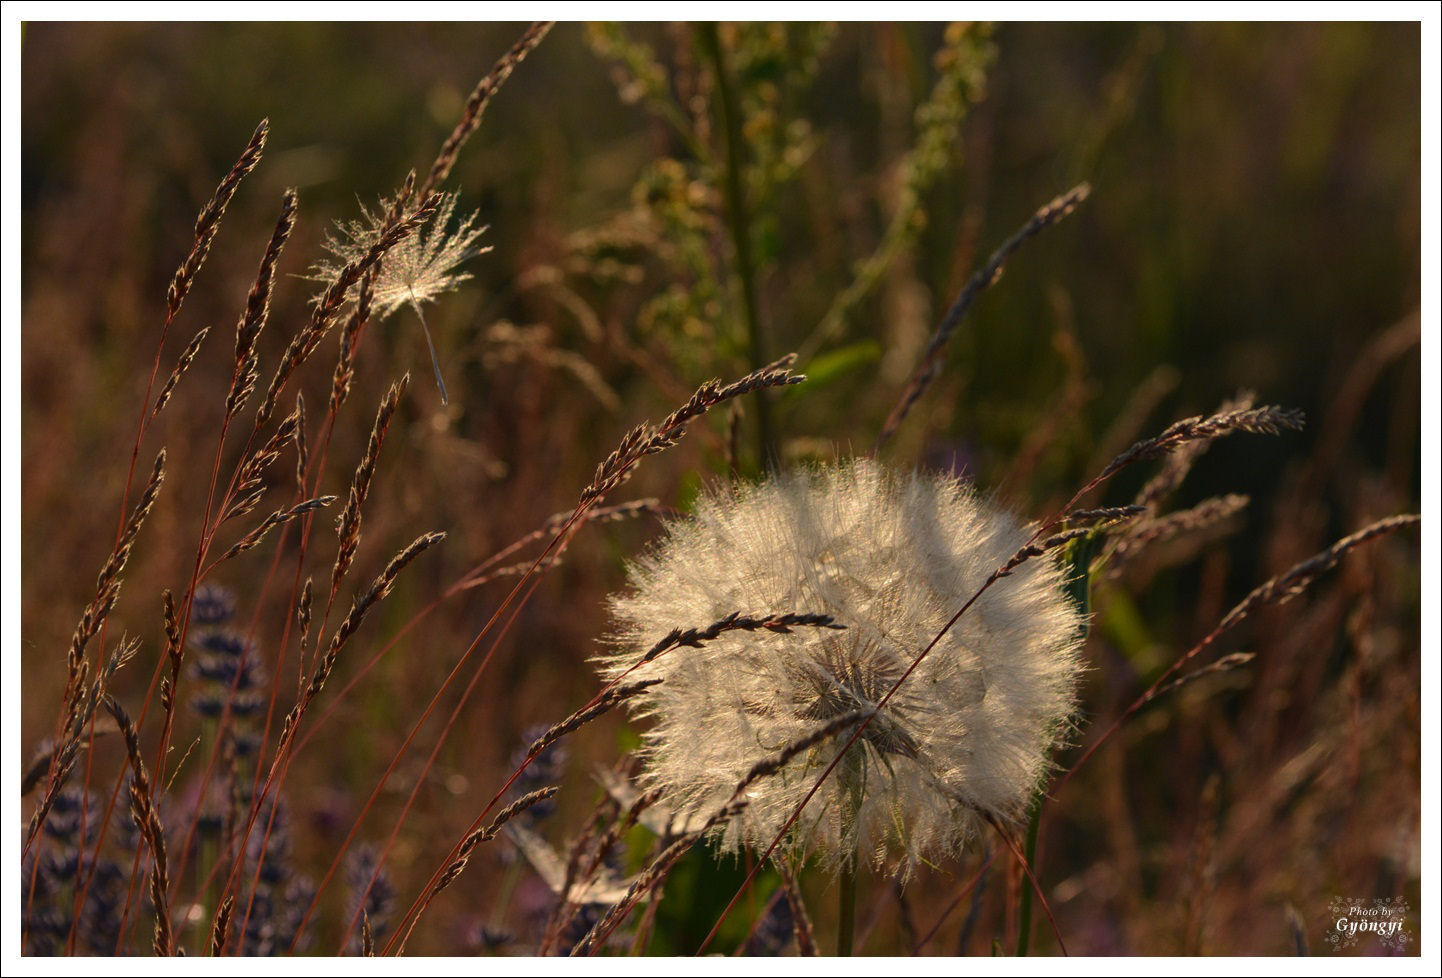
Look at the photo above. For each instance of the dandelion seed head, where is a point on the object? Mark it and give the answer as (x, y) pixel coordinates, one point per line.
(417, 270)
(892, 556)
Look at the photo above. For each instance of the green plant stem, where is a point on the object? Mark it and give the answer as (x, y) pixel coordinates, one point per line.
(1079, 556)
(738, 225)
(503, 902)
(853, 778)
(846, 934)
(1023, 937)
(209, 849)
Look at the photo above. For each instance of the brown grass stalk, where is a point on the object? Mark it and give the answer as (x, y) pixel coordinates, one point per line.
(480, 97)
(601, 514)
(79, 714)
(950, 908)
(257, 310)
(474, 835)
(208, 222)
(147, 820)
(278, 518)
(182, 363)
(1021, 860)
(800, 919)
(1180, 462)
(300, 348)
(468, 847)
(733, 806)
(348, 527)
(645, 439)
(1203, 516)
(360, 607)
(206, 226)
(425, 769)
(220, 933)
(988, 275)
(280, 765)
(1278, 590)
(562, 524)
(107, 585)
(74, 704)
(472, 578)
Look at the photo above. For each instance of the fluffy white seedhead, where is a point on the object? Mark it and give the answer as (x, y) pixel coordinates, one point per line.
(416, 271)
(893, 556)
(419, 269)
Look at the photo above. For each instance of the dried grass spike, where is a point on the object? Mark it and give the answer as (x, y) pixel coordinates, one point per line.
(1106, 514)
(181, 364)
(1270, 420)
(110, 574)
(479, 99)
(348, 526)
(249, 486)
(585, 715)
(1277, 590)
(174, 650)
(1226, 663)
(257, 309)
(468, 846)
(147, 820)
(801, 920)
(645, 439)
(302, 616)
(302, 448)
(694, 637)
(82, 700)
(362, 605)
(221, 931)
(733, 807)
(107, 585)
(1204, 516)
(208, 222)
(280, 516)
(647, 880)
(1037, 549)
(1284, 587)
(984, 277)
(1180, 462)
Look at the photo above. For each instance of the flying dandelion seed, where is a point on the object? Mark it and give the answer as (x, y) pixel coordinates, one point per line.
(892, 556)
(418, 270)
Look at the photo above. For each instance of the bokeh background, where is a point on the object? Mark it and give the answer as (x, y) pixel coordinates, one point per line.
(1254, 224)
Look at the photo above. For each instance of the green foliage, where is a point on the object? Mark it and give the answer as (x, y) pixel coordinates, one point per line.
(696, 893)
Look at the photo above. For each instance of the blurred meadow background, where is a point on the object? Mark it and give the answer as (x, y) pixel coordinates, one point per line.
(1254, 224)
